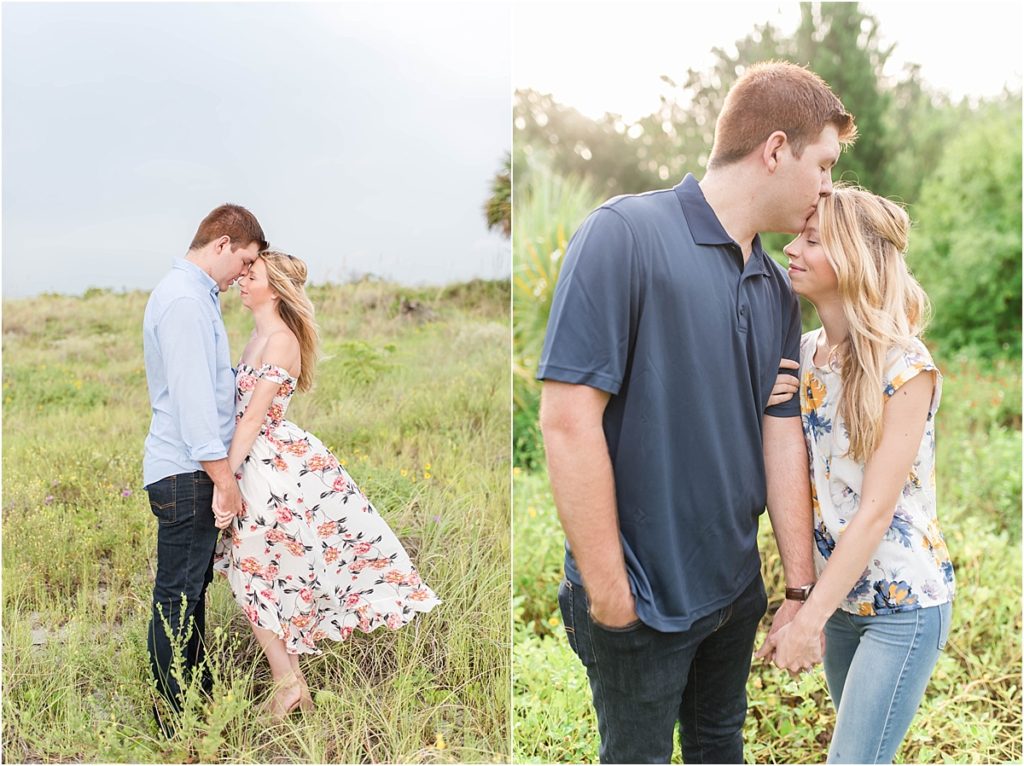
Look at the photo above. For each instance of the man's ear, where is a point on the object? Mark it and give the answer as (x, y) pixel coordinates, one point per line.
(773, 148)
(222, 242)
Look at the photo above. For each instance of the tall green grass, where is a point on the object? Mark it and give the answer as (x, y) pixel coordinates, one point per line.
(413, 397)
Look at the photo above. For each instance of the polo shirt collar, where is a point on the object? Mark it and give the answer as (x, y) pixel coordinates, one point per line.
(704, 224)
(198, 275)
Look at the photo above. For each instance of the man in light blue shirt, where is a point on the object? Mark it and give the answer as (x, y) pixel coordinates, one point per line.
(185, 467)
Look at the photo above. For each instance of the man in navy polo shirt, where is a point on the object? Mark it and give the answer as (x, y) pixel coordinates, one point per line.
(666, 333)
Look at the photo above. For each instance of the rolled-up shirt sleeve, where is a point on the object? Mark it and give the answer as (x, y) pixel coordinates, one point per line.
(186, 342)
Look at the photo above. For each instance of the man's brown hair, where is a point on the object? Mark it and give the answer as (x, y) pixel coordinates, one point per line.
(233, 221)
(776, 95)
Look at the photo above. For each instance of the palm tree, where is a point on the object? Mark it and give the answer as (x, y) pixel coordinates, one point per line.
(498, 209)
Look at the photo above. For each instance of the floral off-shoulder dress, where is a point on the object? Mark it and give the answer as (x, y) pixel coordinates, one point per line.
(310, 558)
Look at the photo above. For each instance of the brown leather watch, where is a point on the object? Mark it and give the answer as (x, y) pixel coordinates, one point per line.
(799, 594)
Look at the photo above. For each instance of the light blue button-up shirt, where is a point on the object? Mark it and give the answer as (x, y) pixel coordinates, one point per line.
(188, 369)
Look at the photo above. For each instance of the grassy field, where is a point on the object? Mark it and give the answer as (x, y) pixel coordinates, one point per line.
(413, 398)
(972, 710)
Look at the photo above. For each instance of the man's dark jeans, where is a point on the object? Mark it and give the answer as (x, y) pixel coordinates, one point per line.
(186, 538)
(644, 680)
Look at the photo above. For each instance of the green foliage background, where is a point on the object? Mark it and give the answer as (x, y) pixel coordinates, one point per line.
(957, 168)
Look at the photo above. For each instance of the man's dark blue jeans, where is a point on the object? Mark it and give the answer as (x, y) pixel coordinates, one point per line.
(186, 537)
(644, 680)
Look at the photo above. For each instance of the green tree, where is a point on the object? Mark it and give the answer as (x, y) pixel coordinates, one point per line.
(919, 124)
(498, 208)
(840, 43)
(575, 146)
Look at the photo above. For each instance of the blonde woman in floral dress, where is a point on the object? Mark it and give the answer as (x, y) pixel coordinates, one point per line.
(309, 558)
(869, 392)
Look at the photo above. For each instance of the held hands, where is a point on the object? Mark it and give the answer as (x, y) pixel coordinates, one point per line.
(785, 385)
(790, 644)
(227, 504)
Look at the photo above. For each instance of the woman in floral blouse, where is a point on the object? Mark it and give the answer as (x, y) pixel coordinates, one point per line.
(869, 391)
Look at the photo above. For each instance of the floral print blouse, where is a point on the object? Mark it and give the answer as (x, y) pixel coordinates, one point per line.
(911, 567)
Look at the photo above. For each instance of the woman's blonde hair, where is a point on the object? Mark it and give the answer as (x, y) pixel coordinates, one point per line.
(864, 237)
(286, 275)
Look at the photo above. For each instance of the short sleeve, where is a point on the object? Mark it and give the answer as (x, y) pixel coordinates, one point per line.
(904, 364)
(790, 350)
(595, 307)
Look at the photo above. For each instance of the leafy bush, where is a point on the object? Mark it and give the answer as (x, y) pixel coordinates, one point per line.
(967, 250)
(362, 363)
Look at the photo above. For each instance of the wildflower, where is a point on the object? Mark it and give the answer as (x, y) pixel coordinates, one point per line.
(531, 511)
(126, 492)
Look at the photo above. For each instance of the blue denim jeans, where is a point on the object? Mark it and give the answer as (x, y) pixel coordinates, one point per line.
(644, 680)
(186, 537)
(877, 670)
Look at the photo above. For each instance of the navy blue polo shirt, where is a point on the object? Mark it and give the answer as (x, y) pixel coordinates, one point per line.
(655, 306)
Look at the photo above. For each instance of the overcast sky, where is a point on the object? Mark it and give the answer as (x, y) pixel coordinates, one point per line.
(363, 136)
(609, 57)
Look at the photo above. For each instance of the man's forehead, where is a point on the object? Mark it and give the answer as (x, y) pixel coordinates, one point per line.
(828, 142)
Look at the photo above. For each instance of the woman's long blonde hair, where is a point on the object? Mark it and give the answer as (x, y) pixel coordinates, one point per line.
(286, 275)
(864, 237)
